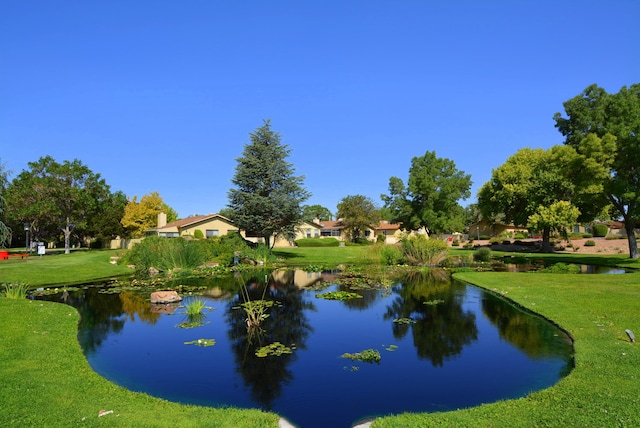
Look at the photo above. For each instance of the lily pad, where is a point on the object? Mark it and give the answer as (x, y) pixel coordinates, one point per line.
(366, 356)
(275, 349)
(201, 342)
(338, 295)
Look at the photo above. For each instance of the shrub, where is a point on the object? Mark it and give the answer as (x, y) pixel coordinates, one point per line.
(587, 235)
(600, 230)
(482, 254)
(455, 243)
(380, 239)
(590, 243)
(520, 235)
(575, 235)
(317, 242)
(198, 234)
(484, 237)
(391, 255)
(420, 250)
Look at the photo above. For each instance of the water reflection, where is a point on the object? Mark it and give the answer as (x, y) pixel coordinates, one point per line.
(441, 327)
(286, 324)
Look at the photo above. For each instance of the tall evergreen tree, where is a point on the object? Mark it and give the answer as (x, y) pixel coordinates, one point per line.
(267, 197)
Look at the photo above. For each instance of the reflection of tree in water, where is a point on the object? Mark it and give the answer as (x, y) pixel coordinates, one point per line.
(99, 317)
(533, 335)
(440, 330)
(286, 324)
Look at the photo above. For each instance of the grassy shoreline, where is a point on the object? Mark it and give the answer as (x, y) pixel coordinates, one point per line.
(46, 381)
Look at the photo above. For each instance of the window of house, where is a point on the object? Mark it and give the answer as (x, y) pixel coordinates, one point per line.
(316, 233)
(308, 233)
(212, 232)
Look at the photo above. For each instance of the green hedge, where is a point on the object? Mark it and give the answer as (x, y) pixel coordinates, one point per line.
(317, 242)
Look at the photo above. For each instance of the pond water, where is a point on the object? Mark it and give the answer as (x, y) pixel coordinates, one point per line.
(452, 345)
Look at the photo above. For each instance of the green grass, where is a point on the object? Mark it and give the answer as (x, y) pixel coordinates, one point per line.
(330, 256)
(603, 390)
(74, 268)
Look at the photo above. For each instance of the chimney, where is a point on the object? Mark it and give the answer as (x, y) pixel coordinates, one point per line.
(162, 219)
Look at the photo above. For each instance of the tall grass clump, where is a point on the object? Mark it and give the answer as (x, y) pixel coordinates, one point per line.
(388, 255)
(165, 254)
(421, 250)
(15, 291)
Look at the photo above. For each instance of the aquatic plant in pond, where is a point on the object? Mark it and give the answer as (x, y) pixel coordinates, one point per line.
(275, 349)
(366, 356)
(338, 295)
(201, 342)
(196, 307)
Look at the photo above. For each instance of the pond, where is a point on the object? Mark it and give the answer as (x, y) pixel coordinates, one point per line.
(443, 345)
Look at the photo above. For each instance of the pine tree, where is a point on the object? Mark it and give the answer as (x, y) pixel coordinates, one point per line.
(267, 197)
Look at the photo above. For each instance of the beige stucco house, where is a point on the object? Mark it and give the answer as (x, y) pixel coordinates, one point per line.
(484, 228)
(335, 229)
(210, 225)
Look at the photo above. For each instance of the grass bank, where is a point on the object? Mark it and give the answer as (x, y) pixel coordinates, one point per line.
(604, 387)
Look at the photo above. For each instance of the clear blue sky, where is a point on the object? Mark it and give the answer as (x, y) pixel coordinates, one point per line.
(162, 95)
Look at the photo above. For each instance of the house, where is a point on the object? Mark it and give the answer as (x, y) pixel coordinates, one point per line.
(484, 228)
(210, 225)
(335, 229)
(391, 231)
(306, 229)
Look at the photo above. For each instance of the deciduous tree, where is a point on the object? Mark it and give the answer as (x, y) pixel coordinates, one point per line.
(56, 197)
(267, 196)
(357, 213)
(311, 212)
(143, 215)
(431, 197)
(605, 115)
(532, 178)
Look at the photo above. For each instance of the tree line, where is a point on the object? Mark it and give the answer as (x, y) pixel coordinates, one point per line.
(594, 175)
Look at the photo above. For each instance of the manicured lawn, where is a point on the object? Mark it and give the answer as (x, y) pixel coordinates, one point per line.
(46, 381)
(76, 267)
(331, 256)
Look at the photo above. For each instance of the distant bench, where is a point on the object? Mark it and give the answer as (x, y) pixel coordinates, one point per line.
(4, 255)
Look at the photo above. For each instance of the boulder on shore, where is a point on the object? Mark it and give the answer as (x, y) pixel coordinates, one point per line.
(165, 297)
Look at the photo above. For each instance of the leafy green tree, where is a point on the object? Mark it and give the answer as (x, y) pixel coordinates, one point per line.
(559, 216)
(267, 197)
(311, 212)
(430, 198)
(56, 197)
(532, 178)
(105, 222)
(5, 231)
(143, 215)
(609, 116)
(358, 213)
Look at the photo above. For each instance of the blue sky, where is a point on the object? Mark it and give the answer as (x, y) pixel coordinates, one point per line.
(162, 95)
